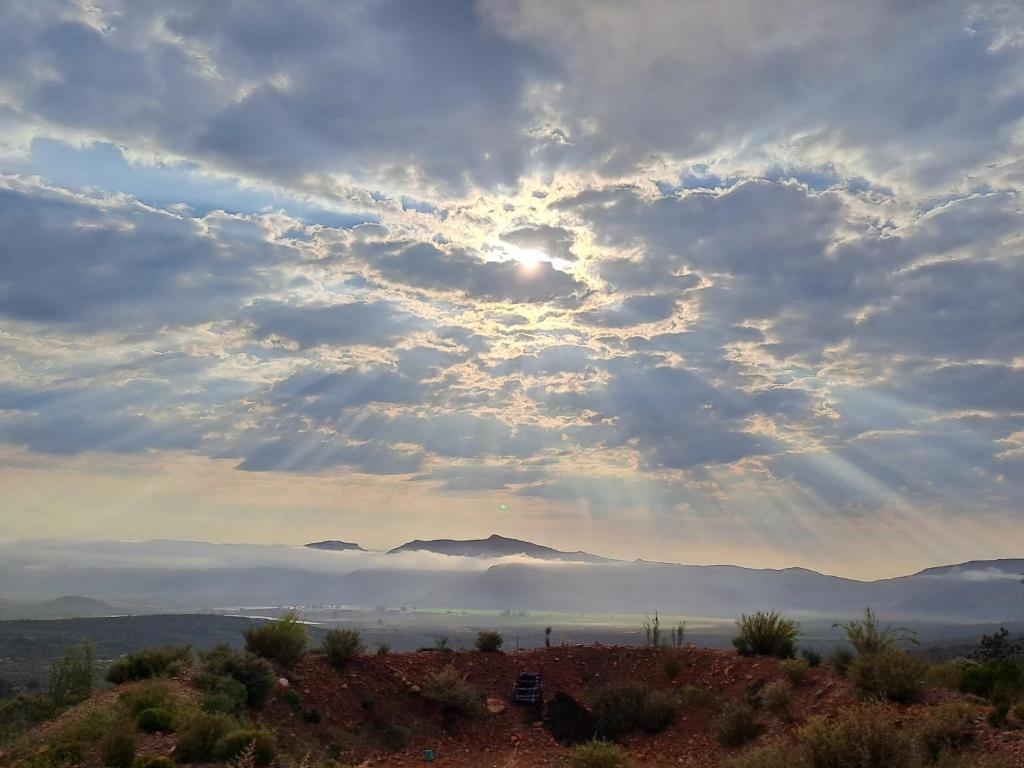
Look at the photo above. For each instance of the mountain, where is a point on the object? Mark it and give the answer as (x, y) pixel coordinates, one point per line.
(496, 546)
(65, 607)
(333, 545)
(185, 576)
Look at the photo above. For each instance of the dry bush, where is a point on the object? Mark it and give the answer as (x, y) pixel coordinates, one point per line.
(860, 737)
(766, 633)
(736, 725)
(777, 698)
(946, 727)
(597, 754)
(890, 674)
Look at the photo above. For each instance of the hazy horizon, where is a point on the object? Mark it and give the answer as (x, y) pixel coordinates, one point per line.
(732, 283)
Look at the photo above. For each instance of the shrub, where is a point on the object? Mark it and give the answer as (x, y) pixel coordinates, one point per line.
(998, 646)
(811, 656)
(671, 665)
(71, 675)
(841, 660)
(694, 697)
(452, 692)
(394, 737)
(383, 649)
(118, 750)
(621, 709)
(763, 757)
(146, 695)
(766, 634)
(794, 670)
(155, 720)
(152, 761)
(282, 640)
(998, 715)
(151, 662)
(860, 737)
(233, 744)
(343, 646)
(222, 694)
(994, 679)
(777, 698)
(867, 637)
(961, 760)
(568, 721)
(736, 725)
(890, 674)
(948, 675)
(1018, 710)
(489, 641)
(946, 727)
(199, 736)
(597, 754)
(251, 671)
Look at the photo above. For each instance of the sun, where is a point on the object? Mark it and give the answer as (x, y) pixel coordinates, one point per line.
(529, 258)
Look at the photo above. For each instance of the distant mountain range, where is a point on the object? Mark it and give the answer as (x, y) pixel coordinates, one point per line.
(65, 607)
(496, 546)
(493, 573)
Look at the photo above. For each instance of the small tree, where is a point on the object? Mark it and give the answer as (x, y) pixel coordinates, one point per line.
(489, 641)
(652, 629)
(71, 676)
(678, 634)
(343, 646)
(283, 640)
(998, 646)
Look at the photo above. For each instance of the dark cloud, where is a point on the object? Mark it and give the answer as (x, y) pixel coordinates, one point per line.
(552, 241)
(424, 265)
(88, 266)
(378, 323)
(633, 310)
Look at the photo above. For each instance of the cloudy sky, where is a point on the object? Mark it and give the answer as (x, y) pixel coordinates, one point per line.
(706, 282)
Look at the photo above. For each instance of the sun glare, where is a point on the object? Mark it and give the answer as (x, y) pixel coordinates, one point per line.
(529, 258)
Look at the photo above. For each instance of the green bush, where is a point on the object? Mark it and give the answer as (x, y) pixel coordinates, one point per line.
(777, 698)
(867, 637)
(152, 761)
(794, 670)
(597, 754)
(891, 674)
(568, 721)
(118, 750)
(841, 660)
(948, 726)
(264, 747)
(1000, 679)
(859, 737)
(695, 697)
(383, 649)
(251, 671)
(452, 692)
(948, 675)
(812, 657)
(198, 737)
(222, 694)
(146, 695)
(998, 715)
(155, 720)
(671, 664)
(766, 634)
(621, 709)
(489, 641)
(763, 757)
(71, 676)
(1018, 710)
(283, 640)
(151, 662)
(343, 646)
(736, 725)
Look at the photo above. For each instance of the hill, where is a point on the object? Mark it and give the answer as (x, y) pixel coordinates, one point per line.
(496, 546)
(65, 607)
(333, 545)
(388, 710)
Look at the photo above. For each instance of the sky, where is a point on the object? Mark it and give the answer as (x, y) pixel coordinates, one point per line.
(713, 281)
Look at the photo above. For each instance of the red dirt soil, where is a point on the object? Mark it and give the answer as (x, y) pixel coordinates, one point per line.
(385, 689)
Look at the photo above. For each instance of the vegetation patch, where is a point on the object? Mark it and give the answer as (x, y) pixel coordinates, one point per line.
(343, 646)
(283, 640)
(766, 633)
(148, 663)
